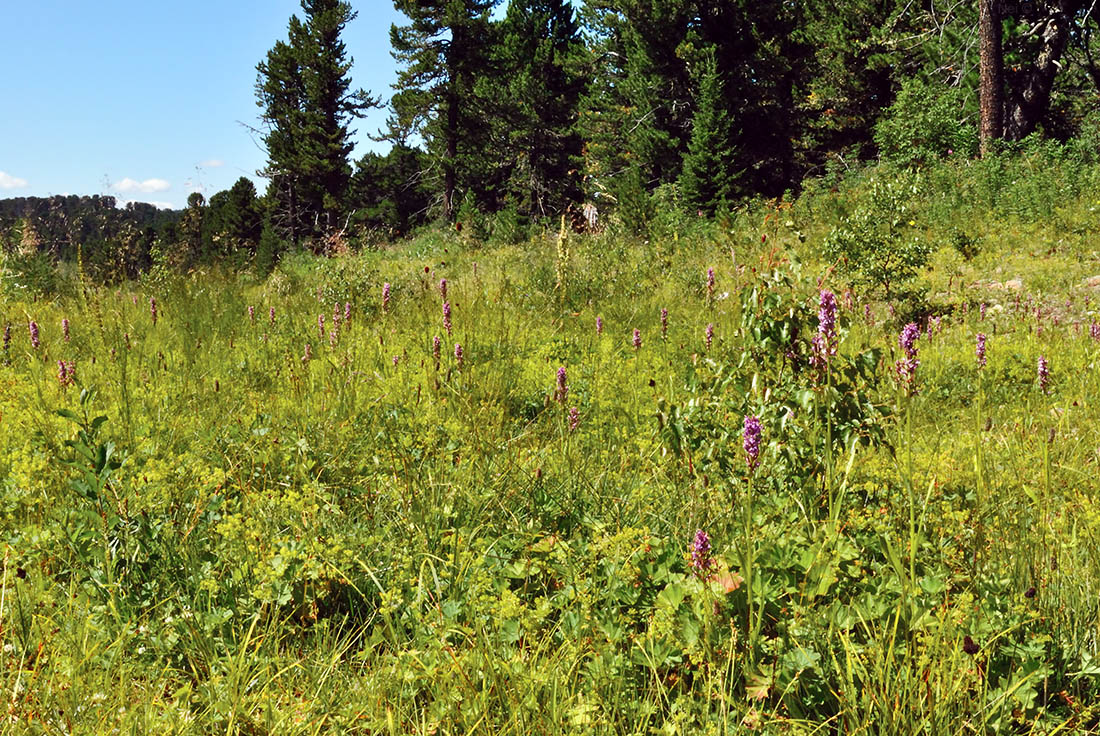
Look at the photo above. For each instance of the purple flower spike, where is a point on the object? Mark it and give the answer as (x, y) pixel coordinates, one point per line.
(443, 289)
(710, 282)
(66, 373)
(599, 326)
(153, 309)
(1044, 374)
(308, 354)
(32, 328)
(459, 356)
(700, 551)
(251, 314)
(979, 350)
(1094, 331)
(7, 338)
(447, 317)
(436, 349)
(751, 441)
(636, 340)
(271, 314)
(574, 419)
(907, 366)
(347, 312)
(664, 324)
(562, 392)
(65, 329)
(708, 335)
(385, 297)
(396, 360)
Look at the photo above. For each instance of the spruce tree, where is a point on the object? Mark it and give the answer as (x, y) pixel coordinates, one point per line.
(542, 57)
(305, 92)
(705, 183)
(444, 52)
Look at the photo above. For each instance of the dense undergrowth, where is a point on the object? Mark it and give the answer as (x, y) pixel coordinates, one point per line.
(234, 504)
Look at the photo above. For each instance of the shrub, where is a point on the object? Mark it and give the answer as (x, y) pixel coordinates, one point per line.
(925, 123)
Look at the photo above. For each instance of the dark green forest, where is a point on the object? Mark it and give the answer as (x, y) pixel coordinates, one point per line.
(508, 116)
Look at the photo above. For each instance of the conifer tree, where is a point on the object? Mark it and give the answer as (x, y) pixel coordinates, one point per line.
(708, 165)
(444, 52)
(305, 92)
(542, 57)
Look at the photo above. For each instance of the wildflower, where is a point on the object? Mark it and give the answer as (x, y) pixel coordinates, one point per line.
(824, 343)
(385, 297)
(396, 360)
(458, 355)
(153, 309)
(562, 391)
(336, 312)
(979, 350)
(33, 329)
(970, 646)
(599, 326)
(321, 325)
(1094, 331)
(636, 341)
(66, 373)
(700, 551)
(447, 317)
(981, 312)
(849, 300)
(332, 339)
(664, 324)
(436, 349)
(710, 283)
(251, 314)
(1044, 374)
(867, 314)
(443, 289)
(65, 328)
(574, 418)
(309, 354)
(751, 441)
(347, 312)
(271, 314)
(907, 366)
(708, 335)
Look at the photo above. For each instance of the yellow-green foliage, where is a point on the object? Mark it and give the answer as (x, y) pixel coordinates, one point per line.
(252, 542)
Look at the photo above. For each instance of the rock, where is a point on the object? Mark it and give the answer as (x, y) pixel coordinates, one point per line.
(1093, 282)
(1014, 285)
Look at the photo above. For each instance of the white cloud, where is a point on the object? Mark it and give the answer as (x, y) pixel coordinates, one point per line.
(147, 186)
(212, 163)
(7, 181)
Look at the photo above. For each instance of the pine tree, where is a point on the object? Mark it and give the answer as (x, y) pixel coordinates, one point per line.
(706, 182)
(444, 52)
(305, 92)
(542, 57)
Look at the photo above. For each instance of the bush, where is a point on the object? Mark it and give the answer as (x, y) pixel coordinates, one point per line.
(877, 246)
(925, 123)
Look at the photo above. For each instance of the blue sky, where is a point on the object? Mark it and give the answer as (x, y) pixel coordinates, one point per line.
(145, 100)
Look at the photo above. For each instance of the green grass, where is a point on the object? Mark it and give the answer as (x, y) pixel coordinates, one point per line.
(254, 543)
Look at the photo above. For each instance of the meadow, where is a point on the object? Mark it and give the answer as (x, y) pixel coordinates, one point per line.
(709, 481)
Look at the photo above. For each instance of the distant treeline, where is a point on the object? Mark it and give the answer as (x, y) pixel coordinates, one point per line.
(606, 112)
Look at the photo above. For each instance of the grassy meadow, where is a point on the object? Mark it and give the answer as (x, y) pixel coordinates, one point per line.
(276, 505)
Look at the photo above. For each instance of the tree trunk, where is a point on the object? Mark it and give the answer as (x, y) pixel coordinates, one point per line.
(1029, 88)
(992, 73)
